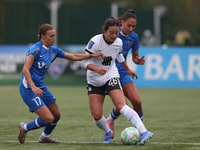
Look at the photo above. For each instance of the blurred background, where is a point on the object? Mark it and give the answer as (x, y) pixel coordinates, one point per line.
(79, 20)
(168, 31)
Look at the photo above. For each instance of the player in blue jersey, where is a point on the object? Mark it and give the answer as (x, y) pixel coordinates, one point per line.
(130, 42)
(32, 88)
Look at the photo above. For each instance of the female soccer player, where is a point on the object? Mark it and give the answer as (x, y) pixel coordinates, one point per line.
(130, 41)
(32, 88)
(102, 75)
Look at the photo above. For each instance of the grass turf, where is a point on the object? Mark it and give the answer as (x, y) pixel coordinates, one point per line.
(171, 114)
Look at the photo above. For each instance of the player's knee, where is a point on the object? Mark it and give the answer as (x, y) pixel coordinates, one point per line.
(136, 102)
(49, 119)
(57, 116)
(120, 106)
(97, 116)
(139, 103)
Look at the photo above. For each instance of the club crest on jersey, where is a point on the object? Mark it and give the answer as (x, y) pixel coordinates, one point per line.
(130, 43)
(36, 50)
(52, 55)
(116, 50)
(91, 43)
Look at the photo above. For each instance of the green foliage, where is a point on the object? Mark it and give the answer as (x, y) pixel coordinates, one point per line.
(171, 114)
(20, 19)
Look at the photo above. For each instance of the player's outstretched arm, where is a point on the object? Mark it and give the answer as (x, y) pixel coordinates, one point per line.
(78, 57)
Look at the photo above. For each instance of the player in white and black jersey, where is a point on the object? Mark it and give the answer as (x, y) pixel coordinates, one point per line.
(111, 50)
(102, 75)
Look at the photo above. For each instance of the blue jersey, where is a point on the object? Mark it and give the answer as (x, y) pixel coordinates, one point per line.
(43, 58)
(129, 42)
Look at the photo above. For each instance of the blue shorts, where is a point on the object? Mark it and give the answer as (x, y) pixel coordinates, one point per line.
(34, 102)
(125, 78)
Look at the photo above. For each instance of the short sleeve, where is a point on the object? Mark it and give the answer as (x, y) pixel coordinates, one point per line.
(92, 46)
(60, 53)
(35, 51)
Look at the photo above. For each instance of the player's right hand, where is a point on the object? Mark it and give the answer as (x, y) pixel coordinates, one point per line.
(37, 91)
(132, 73)
(100, 70)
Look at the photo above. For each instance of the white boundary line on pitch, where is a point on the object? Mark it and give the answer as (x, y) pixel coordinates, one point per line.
(79, 142)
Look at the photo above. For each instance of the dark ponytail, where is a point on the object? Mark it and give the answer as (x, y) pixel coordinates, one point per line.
(111, 21)
(129, 14)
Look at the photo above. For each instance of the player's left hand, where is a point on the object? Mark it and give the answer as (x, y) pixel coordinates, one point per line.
(140, 60)
(132, 73)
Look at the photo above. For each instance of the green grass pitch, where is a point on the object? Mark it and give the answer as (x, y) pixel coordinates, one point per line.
(171, 114)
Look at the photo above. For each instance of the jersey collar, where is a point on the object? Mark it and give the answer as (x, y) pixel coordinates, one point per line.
(44, 46)
(105, 40)
(122, 32)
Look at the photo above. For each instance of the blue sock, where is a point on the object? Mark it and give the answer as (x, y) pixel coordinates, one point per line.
(49, 128)
(141, 116)
(114, 115)
(37, 123)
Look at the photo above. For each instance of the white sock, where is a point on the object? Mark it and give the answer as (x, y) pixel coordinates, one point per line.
(110, 119)
(102, 124)
(25, 127)
(133, 117)
(45, 135)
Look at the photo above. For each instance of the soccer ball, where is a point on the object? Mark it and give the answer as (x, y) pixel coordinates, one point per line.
(130, 136)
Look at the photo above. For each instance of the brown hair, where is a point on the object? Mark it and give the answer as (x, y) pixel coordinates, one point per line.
(43, 29)
(129, 14)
